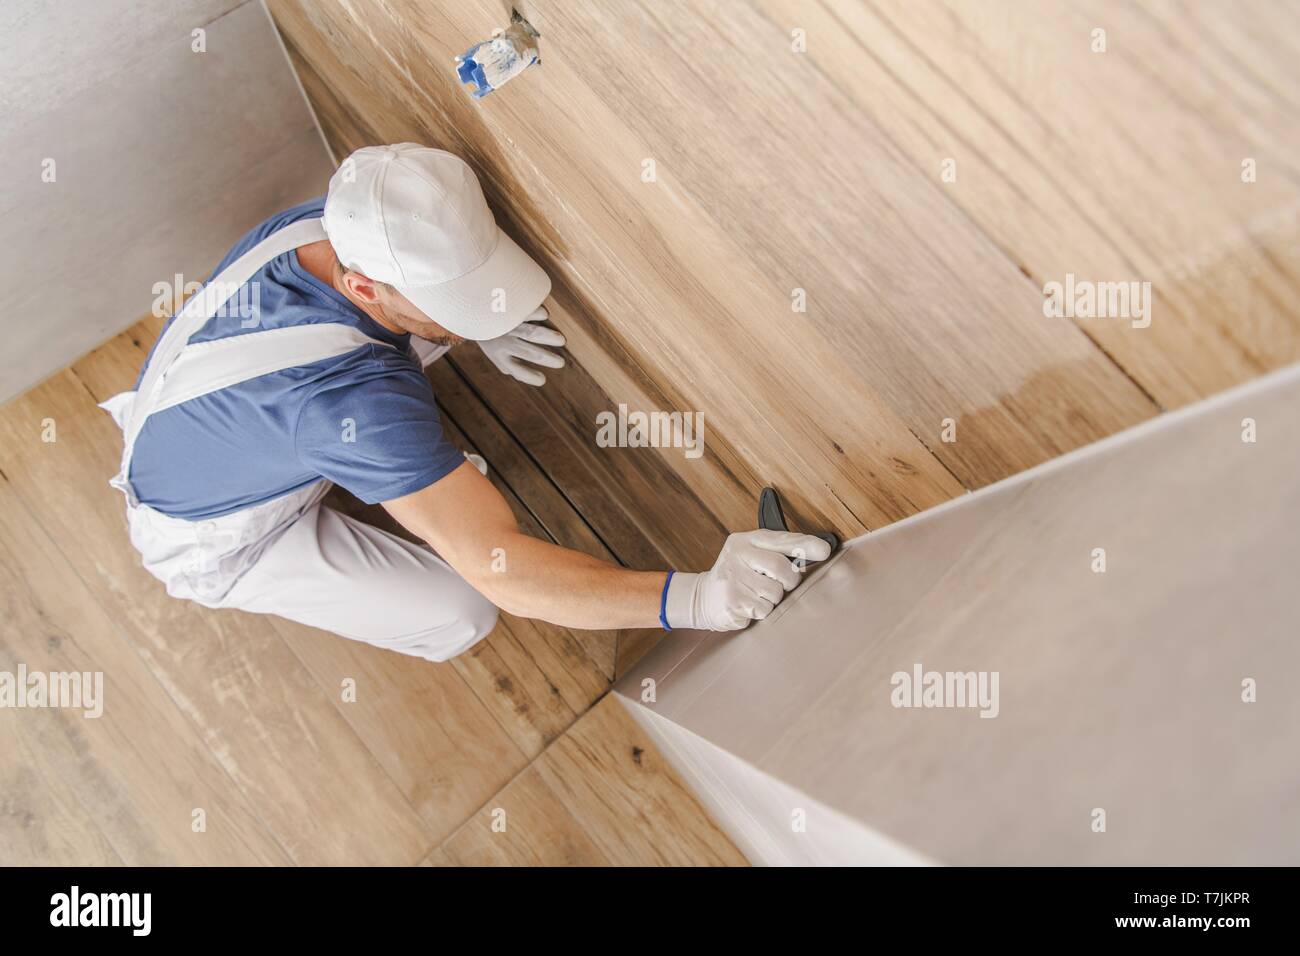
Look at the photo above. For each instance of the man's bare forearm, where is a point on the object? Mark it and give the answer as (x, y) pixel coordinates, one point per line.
(528, 577)
(470, 524)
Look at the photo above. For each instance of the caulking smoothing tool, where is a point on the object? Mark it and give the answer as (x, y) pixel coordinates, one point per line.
(771, 518)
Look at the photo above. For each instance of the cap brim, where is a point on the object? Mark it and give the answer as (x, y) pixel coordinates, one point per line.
(487, 301)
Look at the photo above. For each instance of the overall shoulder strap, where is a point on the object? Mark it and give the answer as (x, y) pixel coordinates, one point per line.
(203, 304)
(211, 366)
(179, 371)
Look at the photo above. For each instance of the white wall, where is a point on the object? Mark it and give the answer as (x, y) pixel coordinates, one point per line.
(1119, 691)
(163, 156)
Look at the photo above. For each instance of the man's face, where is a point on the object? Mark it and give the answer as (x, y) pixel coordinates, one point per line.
(388, 307)
(399, 310)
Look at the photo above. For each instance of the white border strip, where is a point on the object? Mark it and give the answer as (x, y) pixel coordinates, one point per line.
(1272, 380)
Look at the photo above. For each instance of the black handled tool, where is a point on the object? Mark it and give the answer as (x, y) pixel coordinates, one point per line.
(771, 518)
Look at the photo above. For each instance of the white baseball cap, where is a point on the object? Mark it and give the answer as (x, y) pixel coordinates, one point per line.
(416, 218)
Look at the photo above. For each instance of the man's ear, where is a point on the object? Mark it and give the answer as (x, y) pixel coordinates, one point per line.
(363, 287)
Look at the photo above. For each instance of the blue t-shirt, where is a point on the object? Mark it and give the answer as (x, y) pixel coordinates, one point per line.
(365, 420)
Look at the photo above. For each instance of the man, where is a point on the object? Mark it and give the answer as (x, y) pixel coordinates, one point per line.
(243, 417)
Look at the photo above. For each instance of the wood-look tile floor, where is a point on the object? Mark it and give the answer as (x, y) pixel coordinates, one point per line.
(227, 738)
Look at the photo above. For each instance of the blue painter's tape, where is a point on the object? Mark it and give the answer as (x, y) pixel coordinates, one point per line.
(470, 71)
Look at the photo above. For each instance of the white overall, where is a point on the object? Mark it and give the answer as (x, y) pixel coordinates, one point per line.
(289, 556)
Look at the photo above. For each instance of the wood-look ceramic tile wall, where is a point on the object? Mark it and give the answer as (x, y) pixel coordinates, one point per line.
(915, 173)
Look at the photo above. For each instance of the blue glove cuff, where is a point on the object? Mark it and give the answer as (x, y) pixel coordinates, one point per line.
(663, 603)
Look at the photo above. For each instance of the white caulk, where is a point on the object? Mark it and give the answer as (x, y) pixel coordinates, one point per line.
(489, 65)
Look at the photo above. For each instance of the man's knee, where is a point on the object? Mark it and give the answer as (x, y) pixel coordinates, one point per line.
(482, 617)
(474, 618)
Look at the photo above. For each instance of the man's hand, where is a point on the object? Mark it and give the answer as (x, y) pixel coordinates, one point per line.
(524, 342)
(749, 578)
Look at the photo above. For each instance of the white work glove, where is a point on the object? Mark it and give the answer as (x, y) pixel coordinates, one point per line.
(749, 578)
(525, 342)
